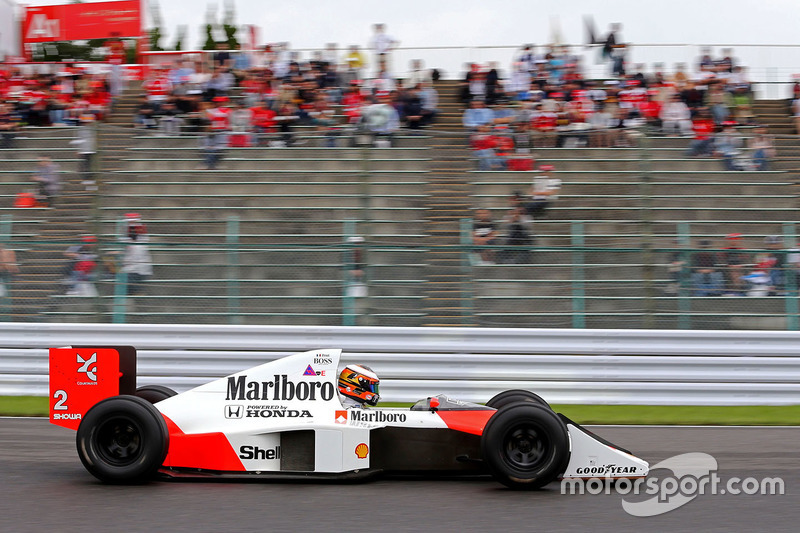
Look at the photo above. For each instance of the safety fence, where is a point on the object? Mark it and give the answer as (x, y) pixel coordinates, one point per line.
(649, 367)
(351, 235)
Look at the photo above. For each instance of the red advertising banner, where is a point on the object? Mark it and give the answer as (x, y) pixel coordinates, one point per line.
(74, 22)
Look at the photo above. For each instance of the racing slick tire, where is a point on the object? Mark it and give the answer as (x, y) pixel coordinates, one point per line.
(525, 446)
(123, 439)
(516, 395)
(155, 393)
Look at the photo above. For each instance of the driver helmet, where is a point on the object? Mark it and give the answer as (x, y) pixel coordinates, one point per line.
(359, 383)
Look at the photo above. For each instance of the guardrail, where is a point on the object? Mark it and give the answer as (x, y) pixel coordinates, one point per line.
(655, 367)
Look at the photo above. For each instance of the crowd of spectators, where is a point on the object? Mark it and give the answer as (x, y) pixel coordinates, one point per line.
(279, 91)
(546, 101)
(732, 270)
(64, 98)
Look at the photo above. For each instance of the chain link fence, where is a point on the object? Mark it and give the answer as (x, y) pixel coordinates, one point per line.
(358, 235)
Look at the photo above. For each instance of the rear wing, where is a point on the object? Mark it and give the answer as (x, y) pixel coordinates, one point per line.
(81, 376)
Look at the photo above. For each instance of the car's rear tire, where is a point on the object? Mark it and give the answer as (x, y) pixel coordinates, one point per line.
(516, 395)
(155, 393)
(123, 439)
(525, 446)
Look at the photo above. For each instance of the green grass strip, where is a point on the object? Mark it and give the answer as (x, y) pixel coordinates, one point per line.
(746, 415)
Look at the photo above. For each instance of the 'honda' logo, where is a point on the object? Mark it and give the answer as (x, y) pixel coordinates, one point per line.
(88, 367)
(233, 411)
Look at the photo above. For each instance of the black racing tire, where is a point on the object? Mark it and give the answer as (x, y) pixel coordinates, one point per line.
(516, 395)
(155, 393)
(123, 440)
(525, 446)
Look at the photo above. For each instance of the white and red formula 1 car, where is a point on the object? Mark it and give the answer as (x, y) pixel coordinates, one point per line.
(285, 419)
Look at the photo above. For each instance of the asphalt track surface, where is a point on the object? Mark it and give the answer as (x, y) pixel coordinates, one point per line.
(45, 488)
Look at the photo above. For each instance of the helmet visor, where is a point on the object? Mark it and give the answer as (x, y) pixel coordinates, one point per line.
(368, 385)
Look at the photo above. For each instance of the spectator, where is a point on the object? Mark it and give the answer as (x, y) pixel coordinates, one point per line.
(600, 120)
(742, 105)
(717, 102)
(355, 63)
(158, 87)
(417, 74)
(676, 117)
(776, 264)
(412, 109)
(288, 115)
(263, 122)
(677, 269)
(241, 121)
(614, 50)
(503, 117)
(484, 233)
(86, 142)
(48, 179)
(707, 280)
(477, 115)
(728, 145)
(169, 120)
(732, 260)
(324, 118)
(430, 103)
(8, 269)
(517, 233)
(137, 263)
(703, 143)
(218, 125)
(494, 88)
(222, 57)
(9, 124)
(485, 149)
(382, 44)
(762, 148)
(381, 120)
(795, 114)
(82, 266)
(544, 191)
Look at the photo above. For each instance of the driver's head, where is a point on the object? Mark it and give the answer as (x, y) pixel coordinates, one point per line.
(359, 383)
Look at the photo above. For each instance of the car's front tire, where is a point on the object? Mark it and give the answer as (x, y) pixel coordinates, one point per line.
(123, 439)
(516, 395)
(525, 446)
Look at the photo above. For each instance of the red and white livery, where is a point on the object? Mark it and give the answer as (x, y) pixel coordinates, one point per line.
(286, 419)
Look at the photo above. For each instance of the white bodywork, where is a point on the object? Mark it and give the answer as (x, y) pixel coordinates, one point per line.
(253, 407)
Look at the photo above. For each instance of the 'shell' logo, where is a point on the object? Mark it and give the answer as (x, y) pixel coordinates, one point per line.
(88, 366)
(362, 450)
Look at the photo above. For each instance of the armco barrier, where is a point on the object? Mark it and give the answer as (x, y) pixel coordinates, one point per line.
(664, 367)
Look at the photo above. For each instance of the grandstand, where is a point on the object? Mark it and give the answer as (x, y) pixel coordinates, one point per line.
(266, 237)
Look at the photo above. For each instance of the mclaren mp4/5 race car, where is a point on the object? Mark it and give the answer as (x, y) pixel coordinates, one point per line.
(292, 418)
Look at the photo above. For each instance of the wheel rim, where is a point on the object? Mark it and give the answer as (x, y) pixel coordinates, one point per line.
(525, 447)
(119, 441)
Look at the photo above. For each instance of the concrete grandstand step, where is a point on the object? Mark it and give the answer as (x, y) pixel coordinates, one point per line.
(296, 188)
(209, 211)
(220, 175)
(296, 165)
(193, 148)
(316, 141)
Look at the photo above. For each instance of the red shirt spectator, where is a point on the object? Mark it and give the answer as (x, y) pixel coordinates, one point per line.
(263, 118)
(703, 128)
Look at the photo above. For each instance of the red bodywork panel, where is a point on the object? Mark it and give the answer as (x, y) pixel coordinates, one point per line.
(79, 378)
(209, 451)
(467, 421)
